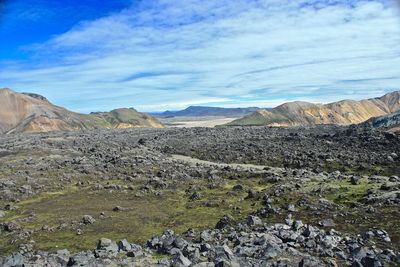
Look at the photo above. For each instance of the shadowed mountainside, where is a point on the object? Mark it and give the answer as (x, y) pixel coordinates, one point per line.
(389, 122)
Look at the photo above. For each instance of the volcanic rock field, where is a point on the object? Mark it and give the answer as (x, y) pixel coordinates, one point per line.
(234, 196)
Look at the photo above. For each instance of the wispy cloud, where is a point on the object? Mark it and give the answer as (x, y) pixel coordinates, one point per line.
(170, 54)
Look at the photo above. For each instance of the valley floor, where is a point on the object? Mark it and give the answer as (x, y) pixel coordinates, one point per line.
(256, 196)
(208, 121)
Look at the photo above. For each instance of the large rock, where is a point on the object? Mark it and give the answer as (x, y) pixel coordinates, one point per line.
(106, 248)
(179, 260)
(225, 221)
(13, 260)
(253, 220)
(87, 219)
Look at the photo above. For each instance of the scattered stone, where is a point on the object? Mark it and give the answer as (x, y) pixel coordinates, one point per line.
(195, 196)
(96, 159)
(291, 208)
(253, 220)
(118, 208)
(327, 223)
(12, 226)
(238, 187)
(179, 260)
(87, 219)
(355, 180)
(124, 245)
(225, 221)
(251, 194)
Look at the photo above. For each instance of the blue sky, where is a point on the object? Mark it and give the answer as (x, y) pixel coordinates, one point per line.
(155, 55)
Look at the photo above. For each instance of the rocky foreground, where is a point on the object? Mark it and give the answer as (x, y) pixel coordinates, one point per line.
(323, 196)
(250, 243)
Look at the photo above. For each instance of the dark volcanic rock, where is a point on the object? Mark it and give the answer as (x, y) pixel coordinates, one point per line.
(345, 173)
(87, 219)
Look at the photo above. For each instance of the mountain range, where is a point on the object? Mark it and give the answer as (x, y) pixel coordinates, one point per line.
(343, 112)
(201, 111)
(27, 112)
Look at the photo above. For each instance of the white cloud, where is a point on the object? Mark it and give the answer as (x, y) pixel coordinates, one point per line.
(172, 54)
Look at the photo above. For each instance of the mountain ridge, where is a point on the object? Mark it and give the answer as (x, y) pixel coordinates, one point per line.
(203, 111)
(300, 113)
(28, 112)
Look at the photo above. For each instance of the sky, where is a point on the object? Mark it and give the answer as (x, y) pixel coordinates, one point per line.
(154, 55)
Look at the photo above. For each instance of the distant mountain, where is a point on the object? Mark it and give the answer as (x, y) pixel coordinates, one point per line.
(127, 118)
(390, 122)
(26, 112)
(303, 113)
(198, 111)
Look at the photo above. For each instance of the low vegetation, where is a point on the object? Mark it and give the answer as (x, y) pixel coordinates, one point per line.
(70, 190)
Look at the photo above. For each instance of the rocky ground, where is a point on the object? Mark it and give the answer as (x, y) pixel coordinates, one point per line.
(260, 196)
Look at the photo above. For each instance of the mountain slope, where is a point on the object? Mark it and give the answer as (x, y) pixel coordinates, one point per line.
(389, 122)
(25, 112)
(341, 112)
(127, 118)
(199, 111)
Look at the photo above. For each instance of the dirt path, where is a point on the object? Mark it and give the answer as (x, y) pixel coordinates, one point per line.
(195, 161)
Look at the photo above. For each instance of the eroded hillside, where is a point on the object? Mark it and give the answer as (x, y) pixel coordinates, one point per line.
(343, 112)
(29, 113)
